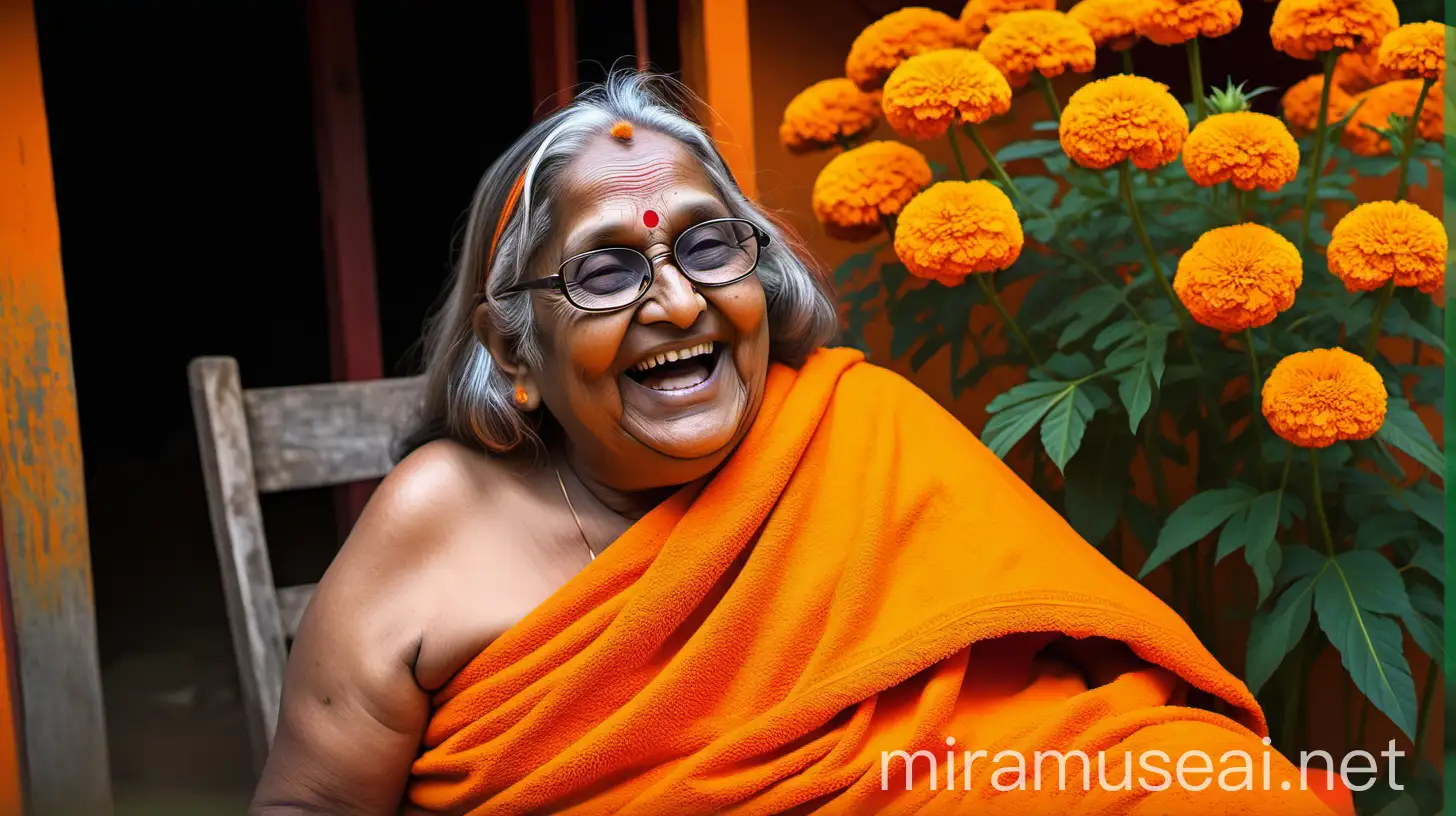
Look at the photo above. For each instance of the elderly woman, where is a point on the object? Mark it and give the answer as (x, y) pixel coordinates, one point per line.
(657, 550)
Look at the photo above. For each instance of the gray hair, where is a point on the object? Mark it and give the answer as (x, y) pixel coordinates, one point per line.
(467, 395)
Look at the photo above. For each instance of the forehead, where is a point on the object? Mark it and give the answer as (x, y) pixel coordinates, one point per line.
(615, 179)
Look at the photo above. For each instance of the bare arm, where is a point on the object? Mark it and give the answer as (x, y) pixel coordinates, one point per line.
(352, 712)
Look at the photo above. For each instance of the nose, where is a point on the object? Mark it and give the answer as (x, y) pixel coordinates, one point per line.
(672, 299)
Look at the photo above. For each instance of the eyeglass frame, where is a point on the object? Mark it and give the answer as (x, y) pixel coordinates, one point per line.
(558, 280)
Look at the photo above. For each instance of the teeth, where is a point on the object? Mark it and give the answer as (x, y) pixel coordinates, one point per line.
(673, 356)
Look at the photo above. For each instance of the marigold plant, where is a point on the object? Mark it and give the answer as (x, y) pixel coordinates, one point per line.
(1173, 22)
(1174, 256)
(1238, 277)
(1112, 23)
(1415, 51)
(896, 37)
(1044, 43)
(1304, 29)
(958, 228)
(827, 113)
(859, 188)
(1316, 398)
(931, 92)
(1388, 242)
(1123, 118)
(1244, 148)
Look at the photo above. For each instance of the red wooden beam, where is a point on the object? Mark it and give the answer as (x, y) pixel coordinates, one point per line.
(639, 33)
(553, 54)
(343, 172)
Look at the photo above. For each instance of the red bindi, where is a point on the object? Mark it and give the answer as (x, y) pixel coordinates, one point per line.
(650, 218)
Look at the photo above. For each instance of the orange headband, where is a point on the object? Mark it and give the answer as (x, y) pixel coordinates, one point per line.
(500, 225)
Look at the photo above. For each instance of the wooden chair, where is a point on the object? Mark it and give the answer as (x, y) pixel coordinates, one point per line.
(266, 440)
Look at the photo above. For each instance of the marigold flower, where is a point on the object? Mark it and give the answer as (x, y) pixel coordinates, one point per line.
(978, 15)
(1301, 104)
(958, 228)
(1123, 117)
(1246, 148)
(1376, 106)
(1238, 277)
(896, 37)
(1415, 51)
(1304, 29)
(1045, 42)
(1317, 398)
(1170, 22)
(1380, 240)
(1356, 72)
(1112, 23)
(826, 112)
(857, 188)
(930, 92)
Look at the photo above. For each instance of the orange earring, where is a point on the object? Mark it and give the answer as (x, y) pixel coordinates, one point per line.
(521, 396)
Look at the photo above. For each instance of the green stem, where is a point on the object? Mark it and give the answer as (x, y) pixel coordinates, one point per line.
(1127, 60)
(1195, 78)
(1317, 155)
(1432, 674)
(1378, 317)
(1050, 95)
(955, 150)
(1238, 206)
(1318, 498)
(1255, 388)
(1125, 177)
(989, 289)
(1410, 141)
(999, 171)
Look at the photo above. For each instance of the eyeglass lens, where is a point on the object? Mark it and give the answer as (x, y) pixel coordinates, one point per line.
(711, 253)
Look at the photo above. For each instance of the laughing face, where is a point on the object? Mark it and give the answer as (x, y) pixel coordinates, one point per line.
(659, 392)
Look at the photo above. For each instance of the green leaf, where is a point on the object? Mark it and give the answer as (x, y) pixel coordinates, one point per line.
(1195, 519)
(1116, 333)
(1377, 531)
(1061, 431)
(1019, 411)
(1273, 633)
(1351, 600)
(855, 264)
(1260, 552)
(1426, 501)
(1403, 429)
(1299, 561)
(1232, 537)
(1431, 557)
(1096, 482)
(1092, 308)
(1425, 622)
(1040, 228)
(894, 275)
(1030, 149)
(1135, 386)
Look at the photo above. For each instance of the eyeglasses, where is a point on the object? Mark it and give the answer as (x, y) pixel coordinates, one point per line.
(711, 253)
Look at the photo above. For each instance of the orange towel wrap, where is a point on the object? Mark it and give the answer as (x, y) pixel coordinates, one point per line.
(861, 576)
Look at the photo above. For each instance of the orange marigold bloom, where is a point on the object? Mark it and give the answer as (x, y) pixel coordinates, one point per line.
(1246, 148)
(1238, 277)
(857, 188)
(1376, 106)
(1356, 72)
(978, 15)
(958, 228)
(1380, 240)
(1170, 22)
(1304, 29)
(1317, 398)
(1301, 104)
(1045, 42)
(930, 92)
(825, 112)
(896, 37)
(1123, 117)
(1415, 51)
(1112, 23)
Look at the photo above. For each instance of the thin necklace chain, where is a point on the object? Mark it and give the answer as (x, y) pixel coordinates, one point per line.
(574, 516)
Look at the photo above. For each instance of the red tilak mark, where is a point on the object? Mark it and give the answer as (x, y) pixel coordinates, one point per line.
(650, 218)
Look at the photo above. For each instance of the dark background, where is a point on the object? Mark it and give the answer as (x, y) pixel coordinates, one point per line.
(182, 142)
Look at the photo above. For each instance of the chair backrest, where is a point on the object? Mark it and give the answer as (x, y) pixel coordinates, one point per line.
(266, 440)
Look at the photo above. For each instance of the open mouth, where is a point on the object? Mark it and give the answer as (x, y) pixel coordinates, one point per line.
(677, 370)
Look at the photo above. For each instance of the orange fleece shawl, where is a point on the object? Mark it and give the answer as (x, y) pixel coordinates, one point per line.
(753, 644)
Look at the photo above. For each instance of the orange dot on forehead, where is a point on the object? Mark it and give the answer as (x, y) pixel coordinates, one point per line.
(650, 218)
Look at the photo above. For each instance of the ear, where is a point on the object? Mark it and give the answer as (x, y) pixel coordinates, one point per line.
(500, 351)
